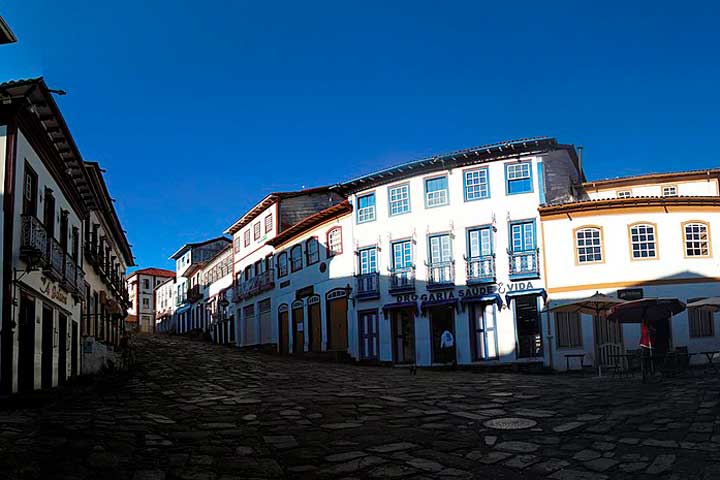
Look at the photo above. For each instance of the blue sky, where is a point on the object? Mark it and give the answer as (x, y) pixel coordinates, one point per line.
(198, 109)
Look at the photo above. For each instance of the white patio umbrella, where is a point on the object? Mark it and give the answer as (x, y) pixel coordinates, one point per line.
(592, 305)
(711, 304)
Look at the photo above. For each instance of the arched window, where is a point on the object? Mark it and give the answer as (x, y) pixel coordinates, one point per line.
(296, 262)
(334, 242)
(282, 264)
(312, 251)
(697, 239)
(643, 241)
(588, 245)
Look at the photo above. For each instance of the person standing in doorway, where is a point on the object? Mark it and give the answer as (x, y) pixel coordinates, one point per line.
(447, 344)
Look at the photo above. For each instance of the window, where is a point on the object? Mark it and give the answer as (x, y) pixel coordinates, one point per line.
(522, 236)
(366, 208)
(624, 194)
(588, 245)
(146, 283)
(399, 199)
(30, 191)
(568, 330)
(246, 238)
(402, 255)
(282, 264)
(479, 242)
(477, 185)
(145, 302)
(697, 239)
(702, 322)
(268, 223)
(256, 231)
(368, 260)
(642, 242)
(312, 251)
(296, 262)
(436, 192)
(518, 178)
(669, 191)
(440, 249)
(334, 242)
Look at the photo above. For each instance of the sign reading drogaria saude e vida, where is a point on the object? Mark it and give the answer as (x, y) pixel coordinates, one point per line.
(500, 287)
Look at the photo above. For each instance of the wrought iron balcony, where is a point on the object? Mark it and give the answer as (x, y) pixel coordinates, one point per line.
(70, 273)
(441, 275)
(480, 269)
(194, 294)
(402, 280)
(524, 265)
(34, 242)
(253, 286)
(367, 285)
(56, 266)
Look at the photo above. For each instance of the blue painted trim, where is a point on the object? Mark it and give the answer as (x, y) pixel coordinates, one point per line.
(541, 182)
(425, 191)
(390, 214)
(517, 222)
(480, 227)
(357, 213)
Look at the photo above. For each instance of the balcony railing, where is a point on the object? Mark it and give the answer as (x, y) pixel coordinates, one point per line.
(480, 269)
(34, 244)
(194, 294)
(38, 249)
(368, 285)
(402, 279)
(256, 285)
(524, 264)
(441, 274)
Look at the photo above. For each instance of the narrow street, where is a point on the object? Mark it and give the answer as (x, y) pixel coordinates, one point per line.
(192, 410)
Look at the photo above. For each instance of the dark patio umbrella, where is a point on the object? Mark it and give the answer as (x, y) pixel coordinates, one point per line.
(647, 312)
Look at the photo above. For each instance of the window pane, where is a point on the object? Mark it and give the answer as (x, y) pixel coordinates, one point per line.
(368, 260)
(366, 208)
(697, 243)
(518, 178)
(402, 254)
(436, 191)
(589, 245)
(399, 200)
(476, 184)
(642, 241)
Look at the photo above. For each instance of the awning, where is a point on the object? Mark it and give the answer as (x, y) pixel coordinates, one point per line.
(535, 291)
(183, 309)
(483, 299)
(399, 306)
(445, 302)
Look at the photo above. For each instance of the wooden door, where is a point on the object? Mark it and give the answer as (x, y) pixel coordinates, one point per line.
(62, 348)
(337, 317)
(298, 330)
(283, 331)
(46, 355)
(315, 327)
(26, 347)
(403, 326)
(367, 329)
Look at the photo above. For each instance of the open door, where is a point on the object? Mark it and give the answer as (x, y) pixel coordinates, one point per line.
(403, 334)
(283, 328)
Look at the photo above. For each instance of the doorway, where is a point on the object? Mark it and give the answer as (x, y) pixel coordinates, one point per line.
(368, 334)
(283, 328)
(527, 323)
(315, 324)
(26, 347)
(74, 349)
(62, 348)
(298, 327)
(483, 320)
(441, 319)
(46, 352)
(337, 320)
(403, 332)
(663, 336)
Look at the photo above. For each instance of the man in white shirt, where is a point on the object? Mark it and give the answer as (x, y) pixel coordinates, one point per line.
(447, 342)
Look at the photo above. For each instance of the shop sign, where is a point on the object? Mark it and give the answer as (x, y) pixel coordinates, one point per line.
(500, 287)
(52, 290)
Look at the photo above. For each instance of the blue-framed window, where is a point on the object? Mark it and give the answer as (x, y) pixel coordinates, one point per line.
(522, 236)
(367, 258)
(402, 254)
(440, 251)
(518, 178)
(366, 208)
(477, 184)
(436, 192)
(480, 242)
(399, 198)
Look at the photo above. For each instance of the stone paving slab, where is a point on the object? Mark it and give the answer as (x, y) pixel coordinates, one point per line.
(192, 410)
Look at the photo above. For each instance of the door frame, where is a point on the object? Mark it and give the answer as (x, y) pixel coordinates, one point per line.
(298, 306)
(430, 327)
(393, 330)
(474, 330)
(283, 340)
(314, 303)
(47, 342)
(376, 326)
(26, 344)
(336, 294)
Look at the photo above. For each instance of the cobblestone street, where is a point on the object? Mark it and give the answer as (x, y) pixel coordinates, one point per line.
(193, 410)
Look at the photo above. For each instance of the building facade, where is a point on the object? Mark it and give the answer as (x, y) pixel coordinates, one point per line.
(107, 256)
(49, 196)
(141, 285)
(645, 236)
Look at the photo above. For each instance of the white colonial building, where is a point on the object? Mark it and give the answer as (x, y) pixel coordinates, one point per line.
(634, 237)
(217, 285)
(141, 286)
